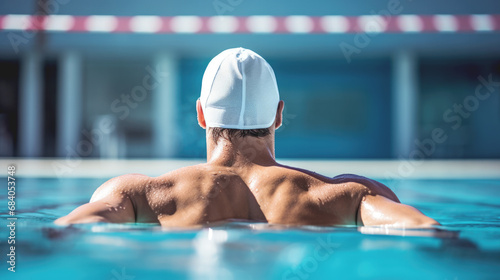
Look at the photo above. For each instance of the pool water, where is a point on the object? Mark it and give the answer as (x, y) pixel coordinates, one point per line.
(470, 209)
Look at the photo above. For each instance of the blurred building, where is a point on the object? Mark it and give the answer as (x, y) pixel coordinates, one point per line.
(381, 79)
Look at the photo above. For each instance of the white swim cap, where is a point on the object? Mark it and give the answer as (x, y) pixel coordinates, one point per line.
(239, 91)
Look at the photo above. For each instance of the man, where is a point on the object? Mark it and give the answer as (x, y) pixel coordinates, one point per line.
(240, 109)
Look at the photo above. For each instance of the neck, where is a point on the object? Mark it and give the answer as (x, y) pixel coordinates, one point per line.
(241, 151)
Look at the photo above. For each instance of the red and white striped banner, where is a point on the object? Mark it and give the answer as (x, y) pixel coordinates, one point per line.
(295, 24)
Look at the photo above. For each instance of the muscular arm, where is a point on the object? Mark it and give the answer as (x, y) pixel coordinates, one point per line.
(380, 210)
(380, 206)
(110, 203)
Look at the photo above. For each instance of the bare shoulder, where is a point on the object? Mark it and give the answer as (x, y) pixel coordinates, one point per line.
(366, 186)
(351, 183)
(128, 184)
(111, 202)
(341, 196)
(319, 187)
(179, 182)
(188, 173)
(134, 184)
(349, 187)
(332, 200)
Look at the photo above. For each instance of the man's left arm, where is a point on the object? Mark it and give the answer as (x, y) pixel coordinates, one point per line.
(376, 209)
(379, 205)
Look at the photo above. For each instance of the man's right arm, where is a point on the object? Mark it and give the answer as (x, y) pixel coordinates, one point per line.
(110, 204)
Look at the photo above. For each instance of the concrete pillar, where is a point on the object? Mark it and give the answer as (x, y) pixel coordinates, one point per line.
(69, 106)
(165, 103)
(405, 102)
(31, 105)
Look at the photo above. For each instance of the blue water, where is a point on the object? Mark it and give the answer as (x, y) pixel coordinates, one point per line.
(239, 250)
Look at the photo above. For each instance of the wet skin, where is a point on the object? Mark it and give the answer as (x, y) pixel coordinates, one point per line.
(242, 180)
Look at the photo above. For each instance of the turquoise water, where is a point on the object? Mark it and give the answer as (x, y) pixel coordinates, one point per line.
(470, 209)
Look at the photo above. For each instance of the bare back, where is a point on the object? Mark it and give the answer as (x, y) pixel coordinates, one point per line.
(242, 180)
(207, 193)
(277, 194)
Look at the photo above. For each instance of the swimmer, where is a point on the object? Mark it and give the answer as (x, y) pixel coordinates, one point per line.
(240, 110)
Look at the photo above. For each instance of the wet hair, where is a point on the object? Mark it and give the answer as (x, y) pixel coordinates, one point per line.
(230, 134)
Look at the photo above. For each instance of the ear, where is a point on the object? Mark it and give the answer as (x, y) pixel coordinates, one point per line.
(279, 114)
(201, 116)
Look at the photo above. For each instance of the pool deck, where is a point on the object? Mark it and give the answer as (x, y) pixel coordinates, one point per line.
(390, 169)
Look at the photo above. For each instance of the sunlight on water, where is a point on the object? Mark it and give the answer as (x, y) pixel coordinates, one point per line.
(468, 245)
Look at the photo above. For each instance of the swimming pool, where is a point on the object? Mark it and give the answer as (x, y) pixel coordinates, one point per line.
(240, 250)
